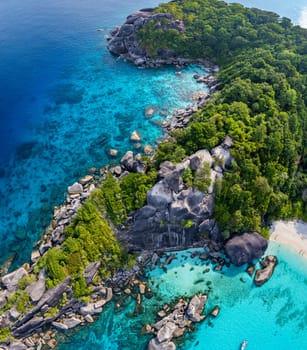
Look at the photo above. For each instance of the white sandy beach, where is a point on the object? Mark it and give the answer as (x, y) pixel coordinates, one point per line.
(292, 234)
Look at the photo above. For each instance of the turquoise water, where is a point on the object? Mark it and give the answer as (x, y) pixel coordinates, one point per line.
(64, 102)
(273, 316)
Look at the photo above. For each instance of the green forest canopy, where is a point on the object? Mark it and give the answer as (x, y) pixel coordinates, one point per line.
(261, 104)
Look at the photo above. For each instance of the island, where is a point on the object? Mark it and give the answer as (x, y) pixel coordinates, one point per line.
(225, 171)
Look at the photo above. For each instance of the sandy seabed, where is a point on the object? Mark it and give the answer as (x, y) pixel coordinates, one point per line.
(292, 234)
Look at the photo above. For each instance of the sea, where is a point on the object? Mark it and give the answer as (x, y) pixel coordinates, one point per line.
(65, 101)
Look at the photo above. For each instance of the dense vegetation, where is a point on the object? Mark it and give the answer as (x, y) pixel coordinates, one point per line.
(90, 237)
(261, 104)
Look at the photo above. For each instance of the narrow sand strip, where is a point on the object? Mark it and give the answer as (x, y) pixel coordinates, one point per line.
(292, 234)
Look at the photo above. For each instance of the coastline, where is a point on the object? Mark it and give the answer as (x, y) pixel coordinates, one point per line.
(292, 234)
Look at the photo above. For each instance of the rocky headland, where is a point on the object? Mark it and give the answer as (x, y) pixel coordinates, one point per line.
(123, 40)
(177, 215)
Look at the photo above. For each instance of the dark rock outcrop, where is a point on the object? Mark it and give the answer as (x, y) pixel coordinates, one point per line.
(175, 214)
(245, 248)
(263, 275)
(133, 163)
(91, 271)
(29, 322)
(123, 40)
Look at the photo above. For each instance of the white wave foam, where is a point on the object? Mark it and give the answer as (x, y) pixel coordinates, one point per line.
(303, 17)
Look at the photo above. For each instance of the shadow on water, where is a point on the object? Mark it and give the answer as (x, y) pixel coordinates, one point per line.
(67, 93)
(27, 150)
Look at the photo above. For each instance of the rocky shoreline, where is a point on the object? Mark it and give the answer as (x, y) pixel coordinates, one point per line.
(123, 42)
(185, 213)
(176, 216)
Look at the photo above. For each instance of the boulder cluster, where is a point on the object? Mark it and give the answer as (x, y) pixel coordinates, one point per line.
(177, 215)
(63, 215)
(177, 322)
(123, 39)
(24, 324)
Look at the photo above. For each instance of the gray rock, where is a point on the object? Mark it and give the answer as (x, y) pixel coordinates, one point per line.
(134, 16)
(117, 170)
(263, 275)
(146, 212)
(10, 281)
(215, 234)
(207, 226)
(159, 196)
(214, 175)
(117, 46)
(3, 299)
(195, 307)
(139, 166)
(49, 298)
(166, 168)
(35, 255)
(109, 295)
(76, 188)
(71, 322)
(155, 345)
(165, 334)
(4, 320)
(100, 303)
(13, 314)
(17, 346)
(44, 247)
(90, 309)
(86, 180)
(174, 180)
(127, 160)
(59, 326)
(155, 259)
(194, 198)
(199, 159)
(245, 248)
(89, 318)
(139, 61)
(91, 271)
(180, 211)
(37, 288)
(28, 327)
(222, 156)
(228, 142)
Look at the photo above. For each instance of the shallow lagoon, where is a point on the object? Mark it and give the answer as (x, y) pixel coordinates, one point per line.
(273, 316)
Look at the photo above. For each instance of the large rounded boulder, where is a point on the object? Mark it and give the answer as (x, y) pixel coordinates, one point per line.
(245, 248)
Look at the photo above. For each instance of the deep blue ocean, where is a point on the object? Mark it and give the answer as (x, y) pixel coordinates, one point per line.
(64, 102)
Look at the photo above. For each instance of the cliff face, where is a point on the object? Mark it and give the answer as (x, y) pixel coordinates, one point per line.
(178, 215)
(123, 40)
